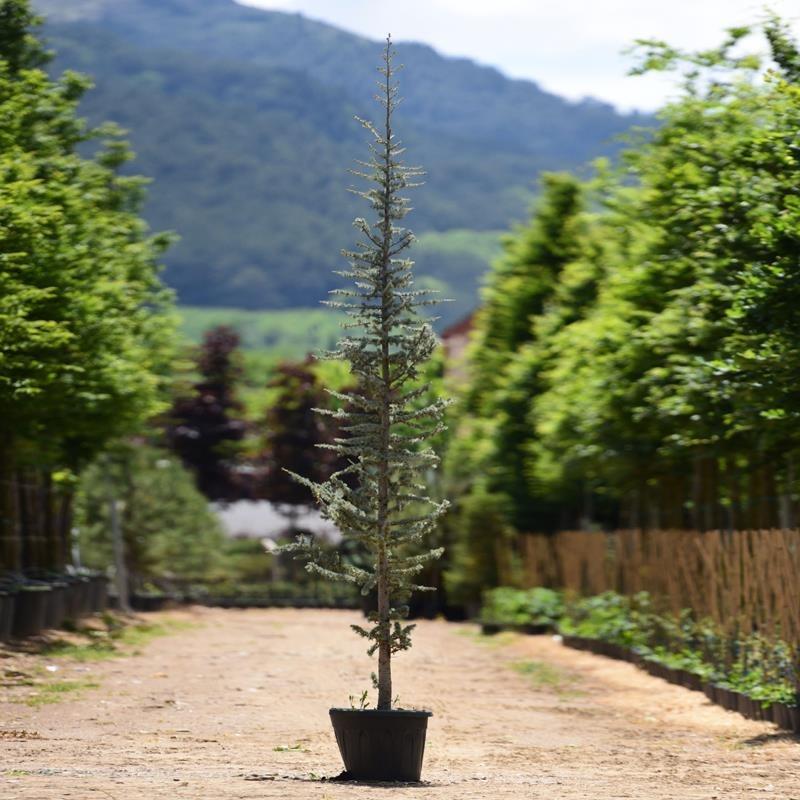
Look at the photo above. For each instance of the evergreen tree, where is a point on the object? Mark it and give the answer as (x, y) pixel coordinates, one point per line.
(205, 426)
(294, 434)
(167, 527)
(378, 499)
(85, 337)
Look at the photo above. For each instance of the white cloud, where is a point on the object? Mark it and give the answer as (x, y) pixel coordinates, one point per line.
(571, 47)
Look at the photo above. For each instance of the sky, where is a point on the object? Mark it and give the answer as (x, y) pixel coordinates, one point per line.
(571, 47)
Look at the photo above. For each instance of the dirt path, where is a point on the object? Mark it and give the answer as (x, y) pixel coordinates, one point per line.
(236, 707)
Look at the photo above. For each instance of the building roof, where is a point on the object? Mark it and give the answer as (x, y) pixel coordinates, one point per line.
(460, 328)
(260, 519)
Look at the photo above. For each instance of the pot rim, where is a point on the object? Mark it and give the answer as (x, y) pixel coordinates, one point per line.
(375, 712)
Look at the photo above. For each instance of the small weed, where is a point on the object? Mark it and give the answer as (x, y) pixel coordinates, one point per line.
(285, 748)
(361, 702)
(16, 773)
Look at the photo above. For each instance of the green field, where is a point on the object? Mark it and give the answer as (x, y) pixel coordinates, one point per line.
(287, 333)
(459, 256)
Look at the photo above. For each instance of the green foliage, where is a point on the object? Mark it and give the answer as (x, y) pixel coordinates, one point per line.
(610, 617)
(205, 427)
(84, 331)
(378, 499)
(763, 669)
(481, 538)
(243, 96)
(168, 529)
(507, 606)
(296, 439)
(237, 589)
(245, 564)
(644, 326)
(524, 280)
(680, 355)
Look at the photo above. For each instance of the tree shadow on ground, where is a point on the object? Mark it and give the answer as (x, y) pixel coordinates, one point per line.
(771, 738)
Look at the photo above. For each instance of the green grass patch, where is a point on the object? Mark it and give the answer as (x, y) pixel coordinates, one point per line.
(117, 640)
(98, 650)
(540, 673)
(139, 635)
(546, 676)
(502, 639)
(286, 333)
(56, 691)
(16, 773)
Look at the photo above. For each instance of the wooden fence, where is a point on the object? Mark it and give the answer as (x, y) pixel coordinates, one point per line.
(744, 580)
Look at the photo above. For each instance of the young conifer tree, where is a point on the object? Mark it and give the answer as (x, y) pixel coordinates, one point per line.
(379, 499)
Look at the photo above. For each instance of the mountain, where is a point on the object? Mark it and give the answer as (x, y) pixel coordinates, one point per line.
(244, 119)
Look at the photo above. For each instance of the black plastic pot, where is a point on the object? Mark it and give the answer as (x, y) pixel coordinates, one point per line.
(491, 628)
(7, 603)
(786, 717)
(77, 597)
(56, 605)
(794, 718)
(98, 593)
(85, 596)
(30, 611)
(148, 602)
(381, 745)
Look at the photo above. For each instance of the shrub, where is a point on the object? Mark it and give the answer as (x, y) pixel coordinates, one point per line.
(509, 606)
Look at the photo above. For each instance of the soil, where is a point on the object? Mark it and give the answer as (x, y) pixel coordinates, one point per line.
(237, 707)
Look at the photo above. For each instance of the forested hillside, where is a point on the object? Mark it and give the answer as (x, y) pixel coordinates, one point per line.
(244, 119)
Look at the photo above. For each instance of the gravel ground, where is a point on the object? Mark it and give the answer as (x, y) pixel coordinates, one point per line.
(235, 706)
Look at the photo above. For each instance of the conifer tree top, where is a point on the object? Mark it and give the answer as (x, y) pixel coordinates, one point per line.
(379, 499)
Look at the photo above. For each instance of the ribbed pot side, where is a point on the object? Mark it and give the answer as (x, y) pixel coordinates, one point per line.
(381, 745)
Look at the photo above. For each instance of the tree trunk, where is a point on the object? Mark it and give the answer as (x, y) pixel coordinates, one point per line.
(120, 569)
(384, 648)
(384, 599)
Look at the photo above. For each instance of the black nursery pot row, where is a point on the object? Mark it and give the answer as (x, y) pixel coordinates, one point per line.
(489, 628)
(785, 717)
(273, 602)
(29, 608)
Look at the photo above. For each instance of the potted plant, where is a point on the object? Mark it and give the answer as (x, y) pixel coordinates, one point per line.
(30, 612)
(377, 501)
(7, 604)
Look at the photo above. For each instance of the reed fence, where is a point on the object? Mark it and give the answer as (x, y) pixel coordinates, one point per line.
(747, 581)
